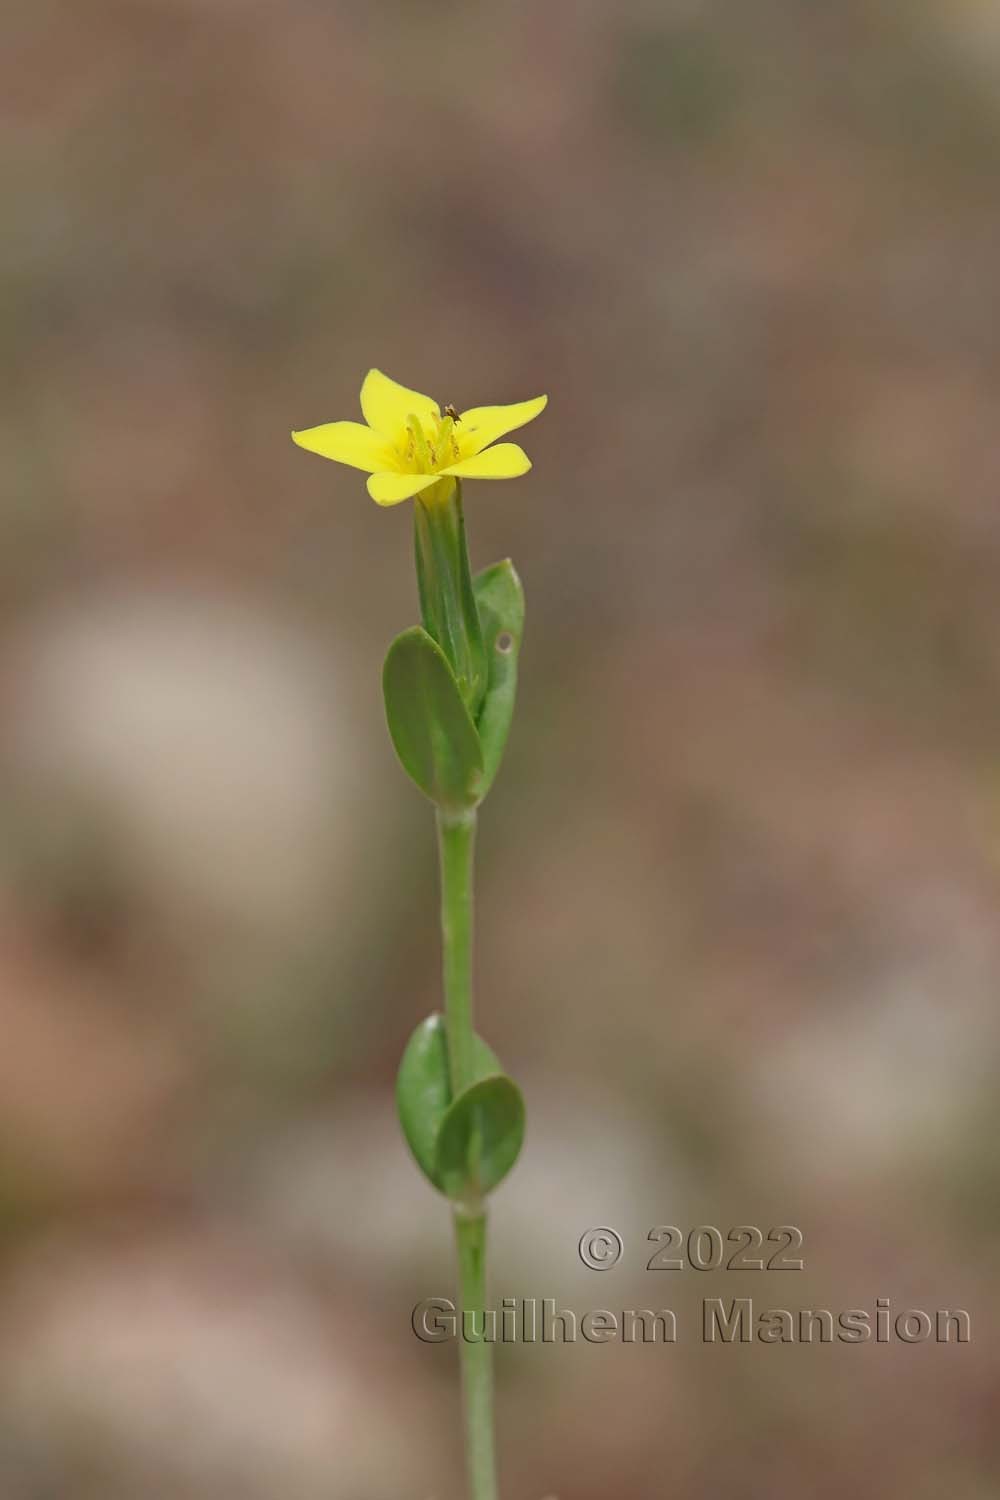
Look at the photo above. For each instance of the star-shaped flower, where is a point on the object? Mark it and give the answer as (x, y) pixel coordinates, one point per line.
(408, 445)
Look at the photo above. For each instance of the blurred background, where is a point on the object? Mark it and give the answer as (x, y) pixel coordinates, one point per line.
(739, 879)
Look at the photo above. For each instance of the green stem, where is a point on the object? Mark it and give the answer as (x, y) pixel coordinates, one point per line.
(456, 841)
(476, 1355)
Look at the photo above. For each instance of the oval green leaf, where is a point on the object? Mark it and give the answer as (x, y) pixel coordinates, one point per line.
(433, 735)
(500, 600)
(480, 1138)
(423, 1089)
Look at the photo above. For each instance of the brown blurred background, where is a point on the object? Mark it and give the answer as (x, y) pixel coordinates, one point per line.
(739, 879)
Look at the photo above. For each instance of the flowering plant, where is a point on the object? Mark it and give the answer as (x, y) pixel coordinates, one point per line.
(449, 686)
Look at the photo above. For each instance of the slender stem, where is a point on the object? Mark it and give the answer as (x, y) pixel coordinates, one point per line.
(456, 841)
(476, 1355)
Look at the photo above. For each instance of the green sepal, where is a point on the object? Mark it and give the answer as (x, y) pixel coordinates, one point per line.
(480, 1138)
(500, 600)
(434, 737)
(423, 1089)
(444, 583)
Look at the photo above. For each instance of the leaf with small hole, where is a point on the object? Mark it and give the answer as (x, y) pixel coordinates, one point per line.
(500, 600)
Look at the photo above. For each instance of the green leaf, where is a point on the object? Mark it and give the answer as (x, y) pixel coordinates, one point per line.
(435, 738)
(423, 1088)
(480, 1137)
(500, 600)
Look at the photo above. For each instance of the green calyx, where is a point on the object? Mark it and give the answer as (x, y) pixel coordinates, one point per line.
(447, 601)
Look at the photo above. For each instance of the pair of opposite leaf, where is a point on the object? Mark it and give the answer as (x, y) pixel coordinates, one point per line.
(452, 759)
(466, 1145)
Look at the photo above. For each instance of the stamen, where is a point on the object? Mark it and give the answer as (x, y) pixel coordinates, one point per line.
(446, 443)
(421, 453)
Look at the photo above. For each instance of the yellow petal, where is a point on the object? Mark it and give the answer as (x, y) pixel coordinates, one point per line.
(505, 461)
(348, 443)
(387, 405)
(482, 425)
(391, 488)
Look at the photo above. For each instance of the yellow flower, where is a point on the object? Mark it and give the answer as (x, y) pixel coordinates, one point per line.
(408, 445)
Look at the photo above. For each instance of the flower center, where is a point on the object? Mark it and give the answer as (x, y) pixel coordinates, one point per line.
(430, 449)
